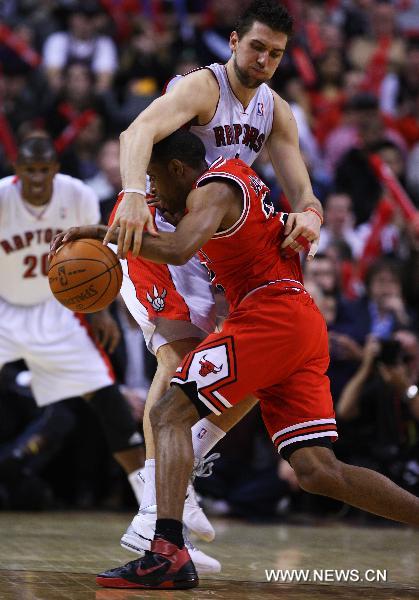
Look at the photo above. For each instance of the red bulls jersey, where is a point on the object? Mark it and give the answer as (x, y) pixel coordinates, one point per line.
(247, 255)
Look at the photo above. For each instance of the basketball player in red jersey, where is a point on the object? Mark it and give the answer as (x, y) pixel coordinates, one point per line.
(273, 343)
(234, 112)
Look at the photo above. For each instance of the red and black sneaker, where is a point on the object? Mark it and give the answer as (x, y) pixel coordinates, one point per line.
(165, 566)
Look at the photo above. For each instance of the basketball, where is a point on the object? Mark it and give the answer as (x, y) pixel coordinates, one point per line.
(85, 276)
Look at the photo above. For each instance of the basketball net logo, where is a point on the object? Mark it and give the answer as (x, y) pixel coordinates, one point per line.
(157, 302)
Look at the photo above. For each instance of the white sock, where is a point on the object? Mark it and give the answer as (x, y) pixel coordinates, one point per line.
(204, 437)
(137, 484)
(149, 493)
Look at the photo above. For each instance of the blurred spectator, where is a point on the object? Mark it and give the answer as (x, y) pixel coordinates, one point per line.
(107, 181)
(378, 409)
(81, 43)
(383, 309)
(339, 220)
(344, 346)
(328, 98)
(212, 41)
(398, 91)
(364, 129)
(382, 47)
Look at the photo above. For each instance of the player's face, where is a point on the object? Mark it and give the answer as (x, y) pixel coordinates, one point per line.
(257, 55)
(36, 178)
(169, 186)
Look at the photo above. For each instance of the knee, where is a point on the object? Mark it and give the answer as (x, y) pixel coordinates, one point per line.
(173, 409)
(318, 472)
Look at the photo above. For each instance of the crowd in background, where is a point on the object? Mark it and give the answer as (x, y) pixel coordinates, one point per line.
(82, 71)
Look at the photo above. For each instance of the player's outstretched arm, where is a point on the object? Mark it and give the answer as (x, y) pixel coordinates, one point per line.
(191, 97)
(206, 208)
(303, 226)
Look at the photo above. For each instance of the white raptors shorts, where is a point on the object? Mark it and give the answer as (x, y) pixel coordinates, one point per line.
(169, 303)
(57, 347)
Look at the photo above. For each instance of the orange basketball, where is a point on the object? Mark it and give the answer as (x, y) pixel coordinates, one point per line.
(85, 276)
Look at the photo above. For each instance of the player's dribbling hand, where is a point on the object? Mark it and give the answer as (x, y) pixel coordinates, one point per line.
(96, 232)
(131, 216)
(302, 231)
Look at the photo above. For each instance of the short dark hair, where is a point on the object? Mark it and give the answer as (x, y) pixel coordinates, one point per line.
(182, 145)
(268, 12)
(37, 149)
(383, 264)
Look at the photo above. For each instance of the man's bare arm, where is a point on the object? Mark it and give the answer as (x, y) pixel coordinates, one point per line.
(207, 207)
(194, 96)
(284, 152)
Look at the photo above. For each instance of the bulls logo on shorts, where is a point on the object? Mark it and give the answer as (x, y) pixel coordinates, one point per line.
(211, 366)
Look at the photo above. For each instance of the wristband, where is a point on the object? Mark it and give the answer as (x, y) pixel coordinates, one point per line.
(316, 212)
(135, 191)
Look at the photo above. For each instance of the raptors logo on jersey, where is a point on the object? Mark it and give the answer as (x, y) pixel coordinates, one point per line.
(247, 255)
(26, 232)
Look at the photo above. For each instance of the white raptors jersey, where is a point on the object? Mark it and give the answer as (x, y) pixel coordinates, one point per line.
(234, 132)
(26, 233)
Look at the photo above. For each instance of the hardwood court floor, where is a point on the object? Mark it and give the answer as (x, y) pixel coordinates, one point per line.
(54, 556)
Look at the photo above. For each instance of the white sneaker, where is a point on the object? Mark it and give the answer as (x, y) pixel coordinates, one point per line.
(195, 518)
(146, 520)
(204, 564)
(140, 532)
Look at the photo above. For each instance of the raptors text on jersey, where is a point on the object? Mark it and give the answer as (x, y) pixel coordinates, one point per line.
(26, 232)
(235, 132)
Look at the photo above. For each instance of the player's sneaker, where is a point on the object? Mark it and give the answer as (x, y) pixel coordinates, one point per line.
(164, 567)
(140, 532)
(137, 543)
(204, 563)
(194, 517)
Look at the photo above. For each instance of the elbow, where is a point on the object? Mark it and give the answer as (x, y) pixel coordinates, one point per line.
(179, 258)
(128, 133)
(123, 137)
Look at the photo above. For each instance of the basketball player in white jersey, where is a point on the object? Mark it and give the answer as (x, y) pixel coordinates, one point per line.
(234, 112)
(56, 344)
(61, 353)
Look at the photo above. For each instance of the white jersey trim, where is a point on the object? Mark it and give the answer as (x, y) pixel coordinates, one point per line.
(246, 208)
(302, 426)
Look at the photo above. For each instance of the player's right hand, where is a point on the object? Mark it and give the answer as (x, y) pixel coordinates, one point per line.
(131, 216)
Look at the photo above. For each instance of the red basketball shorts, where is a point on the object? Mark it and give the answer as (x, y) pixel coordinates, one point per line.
(275, 346)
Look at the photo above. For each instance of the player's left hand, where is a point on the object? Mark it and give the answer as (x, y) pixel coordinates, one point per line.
(302, 232)
(97, 232)
(105, 330)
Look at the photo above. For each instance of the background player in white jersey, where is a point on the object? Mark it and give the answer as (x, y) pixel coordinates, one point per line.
(234, 112)
(56, 344)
